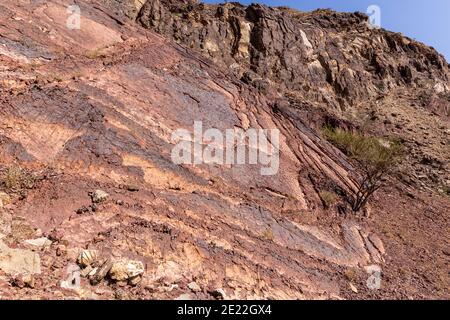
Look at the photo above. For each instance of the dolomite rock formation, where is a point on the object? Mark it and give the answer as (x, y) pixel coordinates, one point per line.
(332, 67)
(95, 109)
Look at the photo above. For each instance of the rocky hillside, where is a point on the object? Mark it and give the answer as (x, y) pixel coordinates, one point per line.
(332, 67)
(335, 52)
(93, 207)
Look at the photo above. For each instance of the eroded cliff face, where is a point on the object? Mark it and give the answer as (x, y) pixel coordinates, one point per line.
(332, 67)
(337, 53)
(85, 160)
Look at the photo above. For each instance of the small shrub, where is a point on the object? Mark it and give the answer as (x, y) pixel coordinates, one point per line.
(445, 190)
(328, 198)
(268, 234)
(96, 53)
(16, 178)
(375, 157)
(293, 12)
(351, 274)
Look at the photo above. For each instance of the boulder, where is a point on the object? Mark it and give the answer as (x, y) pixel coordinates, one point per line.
(98, 274)
(194, 287)
(99, 196)
(87, 257)
(124, 270)
(40, 243)
(19, 261)
(23, 280)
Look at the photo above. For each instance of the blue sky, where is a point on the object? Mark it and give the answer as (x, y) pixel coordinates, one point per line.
(427, 21)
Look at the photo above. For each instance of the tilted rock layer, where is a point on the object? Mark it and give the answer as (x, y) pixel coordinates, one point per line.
(325, 60)
(91, 111)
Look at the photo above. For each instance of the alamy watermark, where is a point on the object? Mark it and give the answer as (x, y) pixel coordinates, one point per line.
(374, 280)
(73, 280)
(230, 147)
(73, 22)
(374, 20)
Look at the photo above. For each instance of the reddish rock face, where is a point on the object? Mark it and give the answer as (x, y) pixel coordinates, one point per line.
(331, 67)
(92, 111)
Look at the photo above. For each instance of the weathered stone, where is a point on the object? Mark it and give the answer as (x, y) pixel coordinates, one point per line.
(132, 188)
(86, 271)
(169, 272)
(126, 269)
(73, 253)
(185, 296)
(376, 241)
(28, 280)
(13, 261)
(99, 196)
(194, 287)
(21, 229)
(72, 280)
(56, 235)
(87, 257)
(134, 280)
(61, 250)
(40, 243)
(17, 281)
(101, 272)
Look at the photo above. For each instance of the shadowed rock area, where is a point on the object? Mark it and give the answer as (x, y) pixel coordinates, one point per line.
(89, 190)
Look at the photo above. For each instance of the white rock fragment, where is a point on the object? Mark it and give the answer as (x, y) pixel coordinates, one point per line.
(194, 286)
(42, 242)
(126, 269)
(99, 196)
(353, 287)
(73, 279)
(306, 42)
(14, 261)
(185, 296)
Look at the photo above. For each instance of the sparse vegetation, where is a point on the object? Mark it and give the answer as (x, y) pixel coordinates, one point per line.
(328, 198)
(50, 78)
(268, 234)
(293, 12)
(96, 53)
(375, 157)
(351, 274)
(16, 178)
(446, 190)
